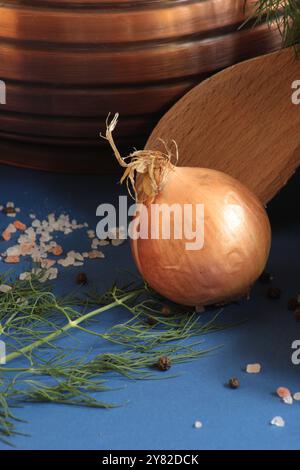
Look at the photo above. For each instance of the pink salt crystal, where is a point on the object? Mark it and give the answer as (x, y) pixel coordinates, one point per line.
(12, 259)
(6, 235)
(283, 392)
(47, 263)
(95, 254)
(19, 225)
(56, 250)
(253, 368)
(26, 248)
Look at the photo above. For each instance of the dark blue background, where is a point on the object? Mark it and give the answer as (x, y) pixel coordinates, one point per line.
(160, 414)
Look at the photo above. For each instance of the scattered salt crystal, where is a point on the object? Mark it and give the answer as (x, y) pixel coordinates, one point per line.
(103, 242)
(13, 251)
(297, 396)
(95, 243)
(47, 263)
(5, 288)
(283, 392)
(117, 242)
(1, 208)
(85, 254)
(6, 235)
(17, 209)
(288, 400)
(10, 204)
(67, 231)
(11, 214)
(91, 233)
(253, 368)
(95, 254)
(25, 276)
(52, 273)
(36, 223)
(19, 225)
(78, 263)
(12, 259)
(278, 421)
(198, 424)
(22, 302)
(11, 228)
(71, 254)
(78, 256)
(32, 216)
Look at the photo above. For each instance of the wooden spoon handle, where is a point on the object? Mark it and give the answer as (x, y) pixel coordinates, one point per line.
(241, 121)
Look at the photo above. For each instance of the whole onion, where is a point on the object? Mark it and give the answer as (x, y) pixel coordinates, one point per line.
(237, 232)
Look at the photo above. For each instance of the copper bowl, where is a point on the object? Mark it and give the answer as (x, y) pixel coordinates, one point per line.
(67, 63)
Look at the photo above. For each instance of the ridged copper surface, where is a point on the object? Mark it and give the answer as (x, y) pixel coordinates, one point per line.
(67, 63)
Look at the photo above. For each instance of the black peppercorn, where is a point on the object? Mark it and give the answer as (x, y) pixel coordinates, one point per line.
(293, 304)
(266, 278)
(151, 321)
(233, 382)
(164, 363)
(274, 293)
(9, 210)
(81, 279)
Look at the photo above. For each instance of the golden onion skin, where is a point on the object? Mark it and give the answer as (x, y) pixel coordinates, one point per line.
(237, 238)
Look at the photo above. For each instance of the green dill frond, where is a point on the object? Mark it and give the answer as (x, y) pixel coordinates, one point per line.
(32, 319)
(284, 14)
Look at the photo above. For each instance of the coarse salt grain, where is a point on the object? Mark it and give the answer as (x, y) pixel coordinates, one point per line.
(95, 254)
(288, 400)
(95, 243)
(283, 392)
(253, 368)
(13, 250)
(12, 259)
(296, 396)
(11, 228)
(6, 235)
(19, 225)
(103, 242)
(25, 276)
(52, 273)
(198, 424)
(47, 263)
(4, 288)
(91, 233)
(278, 421)
(117, 242)
(56, 250)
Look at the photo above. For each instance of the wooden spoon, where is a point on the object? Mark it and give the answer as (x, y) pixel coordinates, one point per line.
(241, 121)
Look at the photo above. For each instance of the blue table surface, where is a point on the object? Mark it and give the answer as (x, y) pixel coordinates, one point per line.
(159, 414)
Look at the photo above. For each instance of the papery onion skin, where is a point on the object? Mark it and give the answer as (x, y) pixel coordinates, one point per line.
(237, 238)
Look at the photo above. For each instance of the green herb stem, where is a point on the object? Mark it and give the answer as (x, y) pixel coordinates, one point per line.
(71, 324)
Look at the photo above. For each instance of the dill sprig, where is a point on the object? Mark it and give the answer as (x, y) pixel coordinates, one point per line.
(32, 319)
(285, 14)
